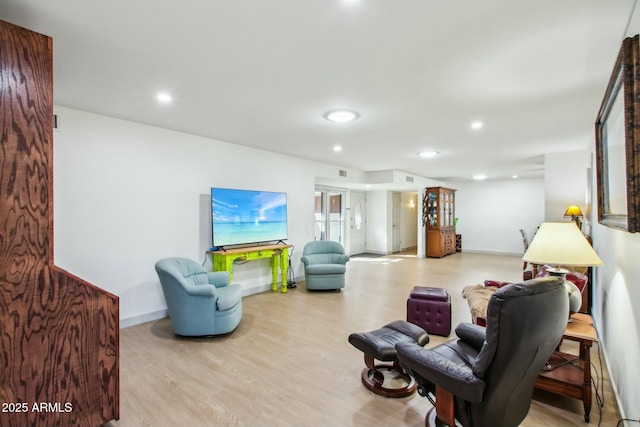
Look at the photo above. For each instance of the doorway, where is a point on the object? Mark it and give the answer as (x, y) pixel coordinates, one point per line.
(358, 223)
(329, 215)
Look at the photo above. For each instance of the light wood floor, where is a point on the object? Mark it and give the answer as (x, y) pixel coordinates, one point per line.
(289, 362)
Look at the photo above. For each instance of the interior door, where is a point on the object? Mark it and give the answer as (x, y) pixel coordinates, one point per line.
(395, 222)
(358, 223)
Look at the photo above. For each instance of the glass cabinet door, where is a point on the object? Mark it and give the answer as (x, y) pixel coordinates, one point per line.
(432, 209)
(446, 217)
(452, 214)
(438, 207)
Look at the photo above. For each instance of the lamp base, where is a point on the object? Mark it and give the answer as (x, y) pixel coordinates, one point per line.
(578, 222)
(558, 272)
(575, 296)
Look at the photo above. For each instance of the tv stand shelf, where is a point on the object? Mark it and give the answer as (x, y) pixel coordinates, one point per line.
(223, 260)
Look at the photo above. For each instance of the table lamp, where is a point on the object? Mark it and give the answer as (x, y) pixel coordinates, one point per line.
(562, 244)
(576, 215)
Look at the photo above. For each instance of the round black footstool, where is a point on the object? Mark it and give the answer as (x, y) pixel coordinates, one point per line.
(380, 345)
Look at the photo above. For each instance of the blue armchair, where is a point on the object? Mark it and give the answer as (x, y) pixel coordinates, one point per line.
(324, 265)
(199, 302)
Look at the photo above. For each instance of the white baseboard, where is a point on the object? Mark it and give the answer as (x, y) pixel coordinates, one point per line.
(143, 318)
(614, 385)
(473, 251)
(267, 287)
(255, 290)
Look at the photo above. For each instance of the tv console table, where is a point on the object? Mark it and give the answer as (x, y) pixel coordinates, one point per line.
(279, 254)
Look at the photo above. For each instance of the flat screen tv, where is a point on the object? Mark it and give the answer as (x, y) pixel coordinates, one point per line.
(240, 217)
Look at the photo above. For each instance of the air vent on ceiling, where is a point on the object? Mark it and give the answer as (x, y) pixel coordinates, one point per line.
(342, 172)
(409, 178)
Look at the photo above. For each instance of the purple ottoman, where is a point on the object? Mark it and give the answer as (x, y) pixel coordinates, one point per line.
(430, 308)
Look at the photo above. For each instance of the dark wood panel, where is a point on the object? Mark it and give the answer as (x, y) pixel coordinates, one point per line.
(58, 334)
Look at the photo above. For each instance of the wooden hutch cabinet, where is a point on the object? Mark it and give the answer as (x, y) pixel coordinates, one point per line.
(438, 217)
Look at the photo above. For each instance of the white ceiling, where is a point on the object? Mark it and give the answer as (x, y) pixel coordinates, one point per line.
(261, 73)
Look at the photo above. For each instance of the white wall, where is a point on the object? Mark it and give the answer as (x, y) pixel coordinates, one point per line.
(616, 302)
(491, 213)
(127, 195)
(616, 297)
(564, 183)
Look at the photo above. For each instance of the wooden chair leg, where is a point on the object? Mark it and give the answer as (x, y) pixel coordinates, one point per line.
(445, 407)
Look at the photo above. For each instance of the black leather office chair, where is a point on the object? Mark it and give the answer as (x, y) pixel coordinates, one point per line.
(486, 377)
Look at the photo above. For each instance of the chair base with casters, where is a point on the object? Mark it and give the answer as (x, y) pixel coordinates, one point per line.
(380, 344)
(432, 420)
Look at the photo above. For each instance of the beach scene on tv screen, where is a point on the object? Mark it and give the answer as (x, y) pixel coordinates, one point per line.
(243, 216)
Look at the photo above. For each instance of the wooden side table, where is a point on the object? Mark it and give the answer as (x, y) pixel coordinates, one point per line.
(570, 374)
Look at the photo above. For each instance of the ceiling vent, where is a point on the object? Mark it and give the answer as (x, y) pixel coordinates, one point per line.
(408, 178)
(342, 172)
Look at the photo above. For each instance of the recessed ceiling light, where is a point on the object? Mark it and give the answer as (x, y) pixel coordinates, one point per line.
(476, 125)
(427, 154)
(164, 98)
(480, 177)
(514, 176)
(337, 148)
(341, 116)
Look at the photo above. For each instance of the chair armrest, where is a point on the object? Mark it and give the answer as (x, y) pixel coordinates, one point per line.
(343, 259)
(218, 278)
(202, 290)
(496, 283)
(471, 334)
(437, 369)
(324, 259)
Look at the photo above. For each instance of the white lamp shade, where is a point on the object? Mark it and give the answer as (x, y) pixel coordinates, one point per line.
(561, 243)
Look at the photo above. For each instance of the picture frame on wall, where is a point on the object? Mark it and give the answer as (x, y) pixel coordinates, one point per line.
(618, 143)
